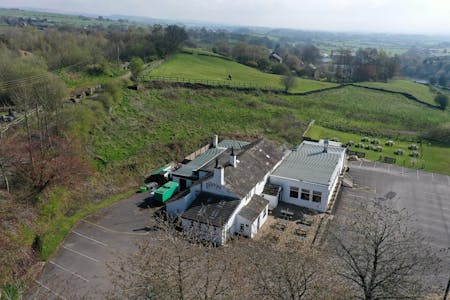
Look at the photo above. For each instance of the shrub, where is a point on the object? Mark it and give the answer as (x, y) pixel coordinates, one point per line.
(414, 154)
(367, 147)
(399, 152)
(375, 141)
(442, 101)
(350, 143)
(379, 149)
(389, 143)
(360, 145)
(413, 147)
(365, 139)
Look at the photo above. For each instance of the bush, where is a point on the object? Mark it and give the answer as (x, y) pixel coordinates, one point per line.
(389, 143)
(252, 63)
(399, 152)
(375, 141)
(379, 149)
(360, 145)
(280, 69)
(350, 143)
(442, 101)
(414, 154)
(365, 139)
(413, 147)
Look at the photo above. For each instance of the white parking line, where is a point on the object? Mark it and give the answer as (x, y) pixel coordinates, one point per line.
(403, 171)
(360, 164)
(375, 165)
(357, 196)
(389, 168)
(68, 271)
(89, 238)
(50, 290)
(79, 253)
(448, 178)
(432, 176)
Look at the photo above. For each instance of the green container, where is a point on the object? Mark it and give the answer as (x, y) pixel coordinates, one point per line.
(143, 188)
(165, 192)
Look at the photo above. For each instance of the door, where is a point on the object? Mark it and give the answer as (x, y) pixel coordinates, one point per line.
(182, 184)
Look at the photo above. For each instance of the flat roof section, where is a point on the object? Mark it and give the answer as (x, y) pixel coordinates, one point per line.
(201, 160)
(309, 163)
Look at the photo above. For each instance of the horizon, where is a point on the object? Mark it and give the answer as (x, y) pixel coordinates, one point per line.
(435, 10)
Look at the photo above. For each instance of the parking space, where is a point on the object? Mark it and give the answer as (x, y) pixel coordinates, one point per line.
(81, 267)
(425, 195)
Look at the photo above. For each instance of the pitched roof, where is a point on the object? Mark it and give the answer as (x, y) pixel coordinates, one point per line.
(254, 162)
(254, 208)
(211, 209)
(310, 163)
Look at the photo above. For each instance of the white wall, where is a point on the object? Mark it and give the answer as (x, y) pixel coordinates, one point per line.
(286, 183)
(175, 208)
(203, 231)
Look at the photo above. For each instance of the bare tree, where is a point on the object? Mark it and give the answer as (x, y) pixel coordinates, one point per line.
(379, 255)
(175, 265)
(288, 81)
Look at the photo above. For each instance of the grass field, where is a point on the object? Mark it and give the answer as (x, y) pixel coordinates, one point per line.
(420, 91)
(432, 157)
(159, 125)
(212, 68)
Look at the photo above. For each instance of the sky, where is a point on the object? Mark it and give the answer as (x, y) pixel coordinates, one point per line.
(390, 16)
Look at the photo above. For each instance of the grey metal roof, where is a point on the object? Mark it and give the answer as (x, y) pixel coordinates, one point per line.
(310, 163)
(201, 160)
(232, 144)
(211, 209)
(254, 208)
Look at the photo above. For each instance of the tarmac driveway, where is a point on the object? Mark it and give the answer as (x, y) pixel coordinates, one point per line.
(79, 269)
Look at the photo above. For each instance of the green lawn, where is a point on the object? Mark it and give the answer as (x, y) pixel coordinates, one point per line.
(420, 91)
(200, 67)
(432, 158)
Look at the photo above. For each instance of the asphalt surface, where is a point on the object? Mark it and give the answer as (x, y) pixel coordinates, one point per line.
(424, 195)
(81, 268)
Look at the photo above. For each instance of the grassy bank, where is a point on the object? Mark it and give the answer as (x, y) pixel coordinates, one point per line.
(420, 91)
(57, 224)
(200, 67)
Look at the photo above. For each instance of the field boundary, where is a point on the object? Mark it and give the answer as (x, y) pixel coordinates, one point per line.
(206, 83)
(407, 95)
(248, 87)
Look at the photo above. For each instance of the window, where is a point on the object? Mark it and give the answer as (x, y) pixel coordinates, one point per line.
(305, 194)
(317, 196)
(293, 192)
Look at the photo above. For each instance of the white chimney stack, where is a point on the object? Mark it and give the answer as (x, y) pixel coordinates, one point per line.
(215, 141)
(219, 174)
(233, 158)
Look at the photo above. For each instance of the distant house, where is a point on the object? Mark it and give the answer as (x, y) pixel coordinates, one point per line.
(275, 57)
(227, 199)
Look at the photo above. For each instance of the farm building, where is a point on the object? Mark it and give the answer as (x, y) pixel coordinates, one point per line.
(275, 57)
(309, 176)
(223, 197)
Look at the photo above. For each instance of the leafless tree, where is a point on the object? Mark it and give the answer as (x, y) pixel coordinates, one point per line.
(379, 254)
(288, 81)
(175, 265)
